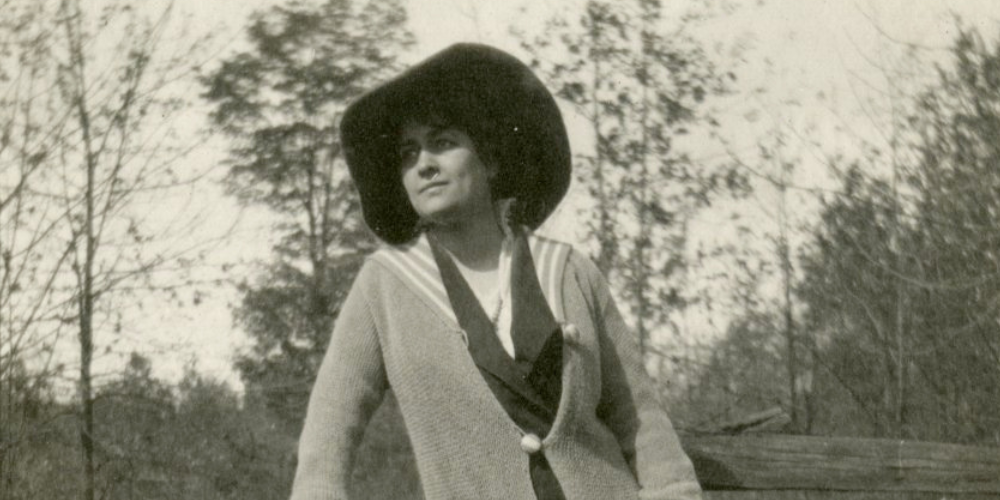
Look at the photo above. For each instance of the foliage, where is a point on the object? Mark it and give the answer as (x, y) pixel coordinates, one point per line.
(156, 441)
(850, 291)
(85, 138)
(643, 185)
(902, 282)
(898, 286)
(290, 322)
(743, 375)
(279, 103)
(117, 153)
(30, 257)
(136, 410)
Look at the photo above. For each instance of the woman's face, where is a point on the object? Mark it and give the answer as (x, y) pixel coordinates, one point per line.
(444, 177)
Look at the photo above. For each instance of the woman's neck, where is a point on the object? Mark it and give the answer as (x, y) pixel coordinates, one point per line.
(475, 243)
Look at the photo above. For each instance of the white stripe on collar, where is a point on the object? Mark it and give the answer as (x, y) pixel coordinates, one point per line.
(550, 258)
(414, 265)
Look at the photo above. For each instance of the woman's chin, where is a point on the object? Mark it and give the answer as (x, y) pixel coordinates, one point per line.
(449, 218)
(452, 215)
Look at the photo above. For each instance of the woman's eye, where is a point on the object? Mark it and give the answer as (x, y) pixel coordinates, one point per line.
(407, 155)
(443, 143)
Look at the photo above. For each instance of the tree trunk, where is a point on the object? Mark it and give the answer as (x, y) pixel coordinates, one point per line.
(605, 233)
(84, 271)
(86, 326)
(789, 324)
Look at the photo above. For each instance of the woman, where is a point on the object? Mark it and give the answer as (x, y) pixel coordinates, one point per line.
(514, 372)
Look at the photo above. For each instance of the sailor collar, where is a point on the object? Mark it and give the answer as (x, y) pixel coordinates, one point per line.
(414, 265)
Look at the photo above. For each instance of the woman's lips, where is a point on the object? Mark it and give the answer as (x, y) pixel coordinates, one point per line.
(432, 185)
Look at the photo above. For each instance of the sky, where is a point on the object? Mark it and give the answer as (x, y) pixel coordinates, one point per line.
(808, 68)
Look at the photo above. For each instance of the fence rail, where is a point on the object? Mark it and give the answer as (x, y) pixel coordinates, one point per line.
(858, 468)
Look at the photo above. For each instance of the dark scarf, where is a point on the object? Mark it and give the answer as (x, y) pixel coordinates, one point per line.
(529, 385)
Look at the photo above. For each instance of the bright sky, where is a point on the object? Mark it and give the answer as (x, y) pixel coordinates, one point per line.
(816, 62)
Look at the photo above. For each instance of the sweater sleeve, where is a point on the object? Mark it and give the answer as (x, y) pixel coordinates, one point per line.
(349, 387)
(630, 405)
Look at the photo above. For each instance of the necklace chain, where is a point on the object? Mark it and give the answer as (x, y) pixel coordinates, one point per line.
(495, 317)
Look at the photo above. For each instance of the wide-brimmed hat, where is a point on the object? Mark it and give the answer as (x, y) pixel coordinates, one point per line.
(484, 86)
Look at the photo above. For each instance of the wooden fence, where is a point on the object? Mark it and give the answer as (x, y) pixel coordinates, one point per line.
(786, 467)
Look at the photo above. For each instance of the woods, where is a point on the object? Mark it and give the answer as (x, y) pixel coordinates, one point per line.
(872, 315)
(917, 251)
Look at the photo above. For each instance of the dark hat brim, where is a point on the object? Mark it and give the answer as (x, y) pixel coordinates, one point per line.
(534, 159)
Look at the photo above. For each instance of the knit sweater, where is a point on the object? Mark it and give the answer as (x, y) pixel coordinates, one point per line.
(611, 438)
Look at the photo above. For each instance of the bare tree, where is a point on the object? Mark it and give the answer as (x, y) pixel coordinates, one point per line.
(117, 155)
(31, 256)
(642, 183)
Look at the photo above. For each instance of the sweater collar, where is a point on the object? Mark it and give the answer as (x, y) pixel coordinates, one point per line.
(414, 265)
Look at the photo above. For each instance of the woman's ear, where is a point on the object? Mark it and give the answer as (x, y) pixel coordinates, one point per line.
(494, 181)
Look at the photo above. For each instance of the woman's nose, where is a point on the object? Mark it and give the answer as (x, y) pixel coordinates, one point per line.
(427, 167)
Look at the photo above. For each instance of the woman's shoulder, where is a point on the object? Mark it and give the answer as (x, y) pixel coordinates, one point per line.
(575, 260)
(378, 266)
(402, 261)
(373, 269)
(411, 265)
(565, 260)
